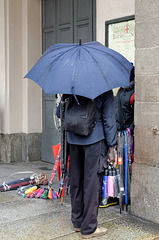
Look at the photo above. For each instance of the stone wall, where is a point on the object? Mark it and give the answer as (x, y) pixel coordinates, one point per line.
(20, 147)
(145, 177)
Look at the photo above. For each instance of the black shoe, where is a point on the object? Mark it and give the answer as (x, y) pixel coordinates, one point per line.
(110, 201)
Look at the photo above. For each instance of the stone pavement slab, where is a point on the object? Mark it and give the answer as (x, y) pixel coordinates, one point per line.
(34, 219)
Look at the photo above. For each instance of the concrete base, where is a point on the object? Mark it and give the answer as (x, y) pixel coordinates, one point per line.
(33, 218)
(20, 147)
(144, 192)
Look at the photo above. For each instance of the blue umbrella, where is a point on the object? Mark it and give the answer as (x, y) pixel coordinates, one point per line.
(87, 69)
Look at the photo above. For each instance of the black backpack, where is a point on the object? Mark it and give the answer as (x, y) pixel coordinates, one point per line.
(80, 116)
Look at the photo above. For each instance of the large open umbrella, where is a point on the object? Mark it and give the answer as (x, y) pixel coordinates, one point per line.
(87, 69)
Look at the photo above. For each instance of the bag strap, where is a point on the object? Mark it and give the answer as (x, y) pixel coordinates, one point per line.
(120, 111)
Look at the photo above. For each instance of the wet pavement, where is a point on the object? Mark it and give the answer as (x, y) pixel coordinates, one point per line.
(33, 219)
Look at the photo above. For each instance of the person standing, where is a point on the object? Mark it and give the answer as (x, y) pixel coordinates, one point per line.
(124, 108)
(88, 154)
(124, 105)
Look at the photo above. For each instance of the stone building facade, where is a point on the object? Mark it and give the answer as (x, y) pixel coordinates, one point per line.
(20, 100)
(145, 178)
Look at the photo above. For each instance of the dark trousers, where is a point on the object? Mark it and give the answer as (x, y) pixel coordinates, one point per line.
(85, 185)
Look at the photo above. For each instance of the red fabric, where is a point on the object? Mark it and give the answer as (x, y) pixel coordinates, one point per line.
(63, 190)
(59, 170)
(56, 149)
(118, 90)
(132, 98)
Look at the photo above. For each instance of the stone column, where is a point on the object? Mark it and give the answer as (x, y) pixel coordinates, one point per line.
(20, 99)
(145, 177)
(32, 93)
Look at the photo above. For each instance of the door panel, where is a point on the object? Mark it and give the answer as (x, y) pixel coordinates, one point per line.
(83, 27)
(49, 23)
(48, 13)
(64, 21)
(50, 136)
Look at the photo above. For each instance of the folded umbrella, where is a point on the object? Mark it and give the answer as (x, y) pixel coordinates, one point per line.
(121, 171)
(34, 179)
(57, 150)
(126, 168)
(105, 188)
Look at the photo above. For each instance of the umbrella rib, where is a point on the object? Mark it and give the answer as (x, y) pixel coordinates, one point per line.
(54, 49)
(72, 83)
(108, 54)
(52, 62)
(103, 74)
(76, 49)
(65, 52)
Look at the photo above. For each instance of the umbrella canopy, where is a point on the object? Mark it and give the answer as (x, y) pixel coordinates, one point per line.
(87, 69)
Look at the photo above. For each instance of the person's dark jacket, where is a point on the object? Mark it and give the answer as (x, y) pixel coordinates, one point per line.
(124, 106)
(105, 127)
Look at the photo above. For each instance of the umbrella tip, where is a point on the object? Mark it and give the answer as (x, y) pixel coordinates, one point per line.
(80, 42)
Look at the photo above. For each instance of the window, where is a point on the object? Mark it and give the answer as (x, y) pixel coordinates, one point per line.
(119, 36)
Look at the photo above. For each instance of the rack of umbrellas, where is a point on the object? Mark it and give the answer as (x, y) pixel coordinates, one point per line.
(35, 185)
(116, 180)
(115, 184)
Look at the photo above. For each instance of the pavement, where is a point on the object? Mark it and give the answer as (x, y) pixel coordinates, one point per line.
(34, 219)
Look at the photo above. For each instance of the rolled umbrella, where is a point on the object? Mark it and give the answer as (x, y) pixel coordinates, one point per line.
(120, 166)
(56, 165)
(118, 181)
(105, 188)
(15, 184)
(34, 179)
(126, 168)
(56, 151)
(110, 182)
(35, 193)
(22, 189)
(64, 154)
(130, 155)
(116, 186)
(40, 192)
(65, 186)
(131, 145)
